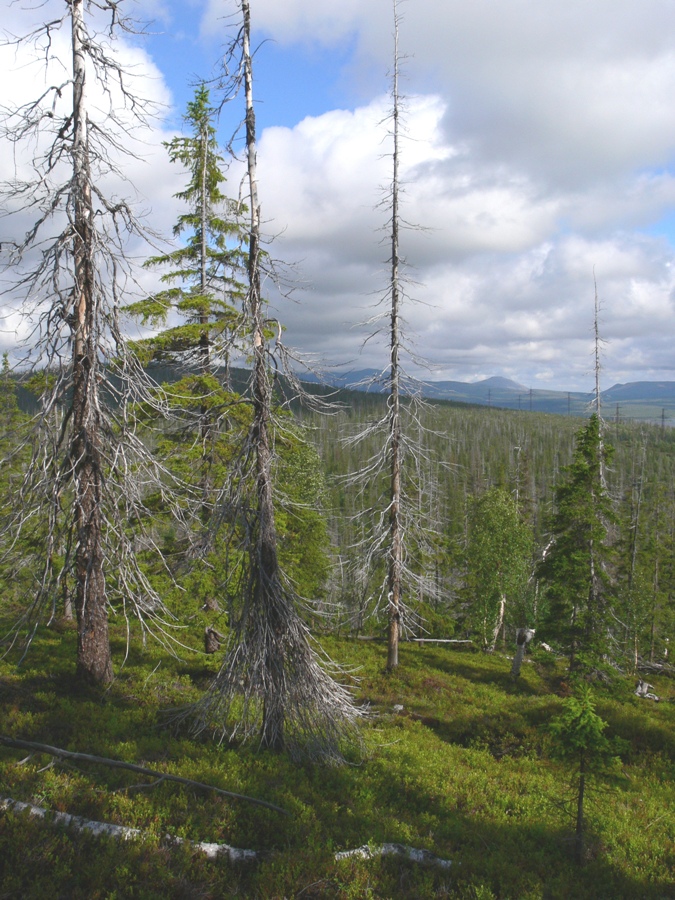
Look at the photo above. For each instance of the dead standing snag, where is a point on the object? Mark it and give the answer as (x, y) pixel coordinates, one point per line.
(271, 684)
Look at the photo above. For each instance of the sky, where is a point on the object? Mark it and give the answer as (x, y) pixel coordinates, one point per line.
(538, 160)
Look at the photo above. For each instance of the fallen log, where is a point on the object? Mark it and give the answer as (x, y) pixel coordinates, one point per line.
(656, 668)
(123, 832)
(59, 753)
(425, 857)
(438, 641)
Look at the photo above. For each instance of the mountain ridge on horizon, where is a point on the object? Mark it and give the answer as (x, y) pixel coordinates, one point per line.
(367, 378)
(640, 400)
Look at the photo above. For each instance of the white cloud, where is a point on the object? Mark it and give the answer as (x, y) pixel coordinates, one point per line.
(571, 90)
(541, 137)
(500, 280)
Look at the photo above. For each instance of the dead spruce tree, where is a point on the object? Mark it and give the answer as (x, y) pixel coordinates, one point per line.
(394, 528)
(84, 483)
(271, 684)
(395, 567)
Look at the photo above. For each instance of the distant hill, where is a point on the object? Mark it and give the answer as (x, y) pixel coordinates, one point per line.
(640, 390)
(637, 400)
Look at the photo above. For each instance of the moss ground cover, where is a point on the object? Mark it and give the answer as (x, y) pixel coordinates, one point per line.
(463, 770)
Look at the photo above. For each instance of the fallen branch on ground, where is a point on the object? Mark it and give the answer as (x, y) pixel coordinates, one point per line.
(123, 833)
(411, 853)
(438, 641)
(59, 753)
(657, 668)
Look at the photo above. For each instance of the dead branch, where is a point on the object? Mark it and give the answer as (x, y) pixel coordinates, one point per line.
(59, 753)
(124, 833)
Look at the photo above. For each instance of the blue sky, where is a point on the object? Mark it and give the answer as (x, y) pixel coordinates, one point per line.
(293, 81)
(541, 147)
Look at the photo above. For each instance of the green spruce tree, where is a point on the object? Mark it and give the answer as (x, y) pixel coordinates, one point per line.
(579, 740)
(202, 289)
(575, 569)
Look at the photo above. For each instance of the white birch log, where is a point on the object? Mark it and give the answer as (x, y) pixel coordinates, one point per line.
(425, 857)
(123, 832)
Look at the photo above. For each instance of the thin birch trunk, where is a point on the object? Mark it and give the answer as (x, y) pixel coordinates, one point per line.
(499, 623)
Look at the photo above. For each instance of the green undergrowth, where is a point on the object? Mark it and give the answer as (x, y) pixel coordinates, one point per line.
(456, 760)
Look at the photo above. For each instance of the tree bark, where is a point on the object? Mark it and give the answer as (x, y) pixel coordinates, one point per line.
(94, 661)
(395, 574)
(265, 563)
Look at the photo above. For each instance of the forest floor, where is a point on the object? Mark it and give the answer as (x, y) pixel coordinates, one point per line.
(456, 760)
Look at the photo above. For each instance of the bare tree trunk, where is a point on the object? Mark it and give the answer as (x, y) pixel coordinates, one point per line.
(395, 576)
(598, 396)
(204, 341)
(655, 590)
(271, 684)
(635, 529)
(94, 661)
(265, 564)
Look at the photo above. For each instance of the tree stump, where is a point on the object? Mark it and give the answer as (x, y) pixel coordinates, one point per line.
(523, 638)
(212, 640)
